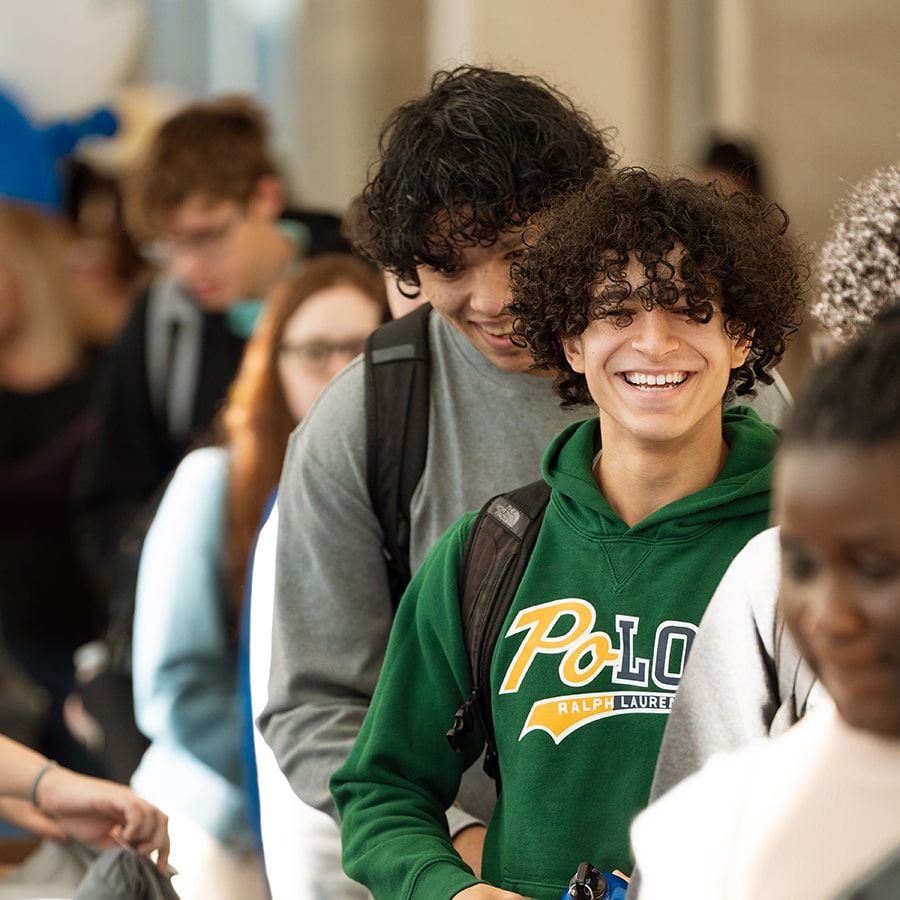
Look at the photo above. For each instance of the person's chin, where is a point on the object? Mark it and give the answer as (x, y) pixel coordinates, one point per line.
(505, 355)
(212, 300)
(512, 360)
(869, 713)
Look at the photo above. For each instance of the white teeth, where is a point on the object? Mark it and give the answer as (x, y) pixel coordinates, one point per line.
(496, 332)
(642, 379)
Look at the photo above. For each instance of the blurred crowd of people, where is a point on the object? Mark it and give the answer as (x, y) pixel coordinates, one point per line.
(202, 639)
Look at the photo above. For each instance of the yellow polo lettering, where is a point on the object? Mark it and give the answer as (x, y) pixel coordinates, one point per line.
(539, 621)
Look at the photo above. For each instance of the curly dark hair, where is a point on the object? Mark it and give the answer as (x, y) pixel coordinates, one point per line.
(480, 153)
(853, 399)
(736, 252)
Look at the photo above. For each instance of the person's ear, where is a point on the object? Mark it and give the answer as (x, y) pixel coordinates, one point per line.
(741, 349)
(574, 350)
(268, 198)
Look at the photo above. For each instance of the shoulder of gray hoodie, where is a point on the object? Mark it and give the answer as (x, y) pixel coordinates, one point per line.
(772, 401)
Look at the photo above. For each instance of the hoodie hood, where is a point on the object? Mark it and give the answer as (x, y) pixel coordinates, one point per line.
(741, 488)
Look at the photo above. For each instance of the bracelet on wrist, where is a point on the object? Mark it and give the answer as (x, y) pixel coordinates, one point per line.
(44, 769)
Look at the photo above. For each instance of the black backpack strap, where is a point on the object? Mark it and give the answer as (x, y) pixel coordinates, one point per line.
(496, 554)
(397, 363)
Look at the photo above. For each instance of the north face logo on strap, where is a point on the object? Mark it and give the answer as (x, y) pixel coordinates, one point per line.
(506, 514)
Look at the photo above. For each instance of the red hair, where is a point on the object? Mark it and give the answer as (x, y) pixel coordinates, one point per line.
(256, 420)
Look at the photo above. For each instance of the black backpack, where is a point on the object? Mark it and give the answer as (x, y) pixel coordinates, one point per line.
(496, 553)
(397, 364)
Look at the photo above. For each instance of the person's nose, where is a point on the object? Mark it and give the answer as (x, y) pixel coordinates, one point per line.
(832, 611)
(490, 289)
(185, 263)
(651, 333)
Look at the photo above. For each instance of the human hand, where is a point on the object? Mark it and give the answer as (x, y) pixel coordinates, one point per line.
(22, 814)
(103, 813)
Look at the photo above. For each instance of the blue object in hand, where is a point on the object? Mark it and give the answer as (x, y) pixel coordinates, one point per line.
(589, 883)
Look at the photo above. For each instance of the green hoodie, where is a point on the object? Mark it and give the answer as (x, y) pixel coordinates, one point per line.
(583, 677)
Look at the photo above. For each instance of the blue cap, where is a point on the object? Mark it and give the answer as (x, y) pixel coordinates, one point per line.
(31, 156)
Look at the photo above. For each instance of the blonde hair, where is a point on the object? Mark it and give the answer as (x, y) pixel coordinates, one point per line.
(33, 253)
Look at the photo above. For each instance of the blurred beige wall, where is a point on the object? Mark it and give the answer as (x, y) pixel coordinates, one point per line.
(826, 99)
(609, 56)
(355, 60)
(815, 83)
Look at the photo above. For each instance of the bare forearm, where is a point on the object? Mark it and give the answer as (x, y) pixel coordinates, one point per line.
(56, 802)
(20, 766)
(469, 844)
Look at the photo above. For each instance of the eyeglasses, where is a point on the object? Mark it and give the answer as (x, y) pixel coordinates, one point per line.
(205, 243)
(316, 355)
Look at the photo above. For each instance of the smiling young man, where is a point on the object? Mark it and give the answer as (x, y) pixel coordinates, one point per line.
(469, 294)
(654, 299)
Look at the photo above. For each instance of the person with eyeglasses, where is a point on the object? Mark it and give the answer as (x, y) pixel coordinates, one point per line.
(190, 594)
(207, 205)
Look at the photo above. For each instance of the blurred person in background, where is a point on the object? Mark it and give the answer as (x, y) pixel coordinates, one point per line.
(51, 337)
(190, 588)
(105, 256)
(207, 204)
(734, 162)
